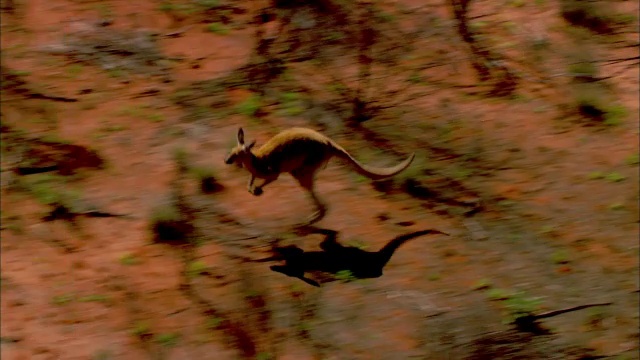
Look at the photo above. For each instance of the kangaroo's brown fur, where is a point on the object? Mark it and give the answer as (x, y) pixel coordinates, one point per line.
(300, 152)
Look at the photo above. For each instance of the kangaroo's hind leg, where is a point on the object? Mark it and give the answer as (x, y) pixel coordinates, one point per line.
(305, 178)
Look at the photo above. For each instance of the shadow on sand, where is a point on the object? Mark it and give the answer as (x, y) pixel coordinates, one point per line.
(335, 257)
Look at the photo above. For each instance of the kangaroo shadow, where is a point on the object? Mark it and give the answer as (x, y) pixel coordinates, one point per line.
(335, 257)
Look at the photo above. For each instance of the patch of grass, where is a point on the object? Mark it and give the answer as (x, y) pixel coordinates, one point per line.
(519, 305)
(482, 284)
(129, 259)
(415, 78)
(617, 206)
(74, 70)
(213, 322)
(250, 106)
(585, 68)
(614, 114)
(196, 268)
(462, 174)
(264, 356)
(560, 257)
(434, 277)
(499, 294)
(614, 177)
(595, 175)
(155, 117)
(116, 73)
(62, 299)
(141, 329)
(291, 104)
(20, 72)
(114, 128)
(356, 243)
(180, 158)
(95, 298)
(345, 276)
(47, 189)
(167, 339)
(517, 3)
(632, 159)
(218, 28)
(54, 139)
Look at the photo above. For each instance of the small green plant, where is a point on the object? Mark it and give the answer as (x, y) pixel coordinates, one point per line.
(218, 28)
(560, 257)
(95, 298)
(357, 243)
(499, 294)
(74, 70)
(116, 73)
(517, 3)
(583, 68)
(62, 299)
(141, 329)
(129, 259)
(345, 276)
(614, 177)
(155, 117)
(595, 175)
(250, 106)
(547, 230)
(614, 114)
(415, 78)
(196, 268)
(434, 276)
(214, 322)
(54, 139)
(264, 356)
(617, 206)
(291, 104)
(482, 284)
(180, 158)
(20, 72)
(519, 305)
(167, 339)
(632, 159)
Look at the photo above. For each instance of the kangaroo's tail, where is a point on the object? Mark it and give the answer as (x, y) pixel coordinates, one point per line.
(372, 172)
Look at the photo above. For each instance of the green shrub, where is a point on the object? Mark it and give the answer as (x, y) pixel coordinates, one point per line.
(250, 106)
(218, 28)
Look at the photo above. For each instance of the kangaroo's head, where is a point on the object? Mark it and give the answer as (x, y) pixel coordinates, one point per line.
(241, 152)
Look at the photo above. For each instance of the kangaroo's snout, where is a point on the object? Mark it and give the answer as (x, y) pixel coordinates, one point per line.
(229, 159)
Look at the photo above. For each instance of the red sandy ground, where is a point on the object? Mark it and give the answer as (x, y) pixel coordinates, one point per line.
(424, 305)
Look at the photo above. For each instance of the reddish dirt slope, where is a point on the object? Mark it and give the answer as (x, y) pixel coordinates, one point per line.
(540, 203)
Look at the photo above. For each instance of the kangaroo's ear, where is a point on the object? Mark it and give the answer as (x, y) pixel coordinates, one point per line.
(251, 144)
(240, 136)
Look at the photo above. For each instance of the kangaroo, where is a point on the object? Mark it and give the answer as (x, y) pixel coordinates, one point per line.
(301, 152)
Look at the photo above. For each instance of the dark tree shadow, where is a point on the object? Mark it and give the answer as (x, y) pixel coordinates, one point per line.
(335, 257)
